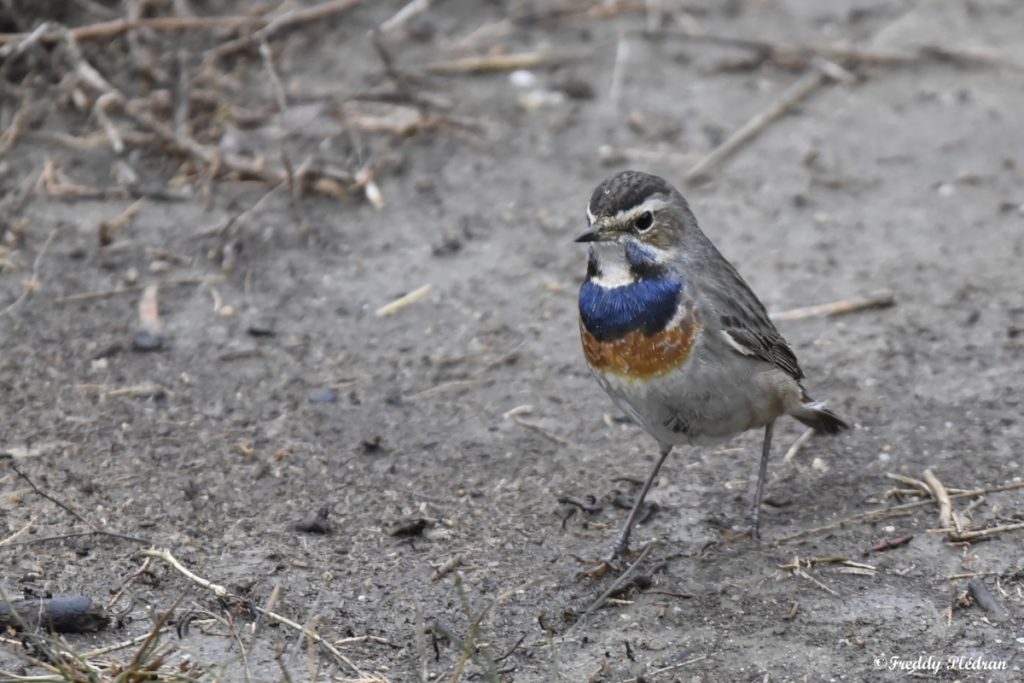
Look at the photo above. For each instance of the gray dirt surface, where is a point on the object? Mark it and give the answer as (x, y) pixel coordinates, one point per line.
(908, 181)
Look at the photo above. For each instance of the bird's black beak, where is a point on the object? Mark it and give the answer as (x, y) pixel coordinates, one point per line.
(593, 234)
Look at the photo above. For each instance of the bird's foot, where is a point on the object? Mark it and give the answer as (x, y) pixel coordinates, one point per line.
(754, 531)
(598, 570)
(610, 562)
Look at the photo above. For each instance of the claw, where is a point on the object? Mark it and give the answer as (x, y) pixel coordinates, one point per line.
(609, 563)
(599, 570)
(620, 549)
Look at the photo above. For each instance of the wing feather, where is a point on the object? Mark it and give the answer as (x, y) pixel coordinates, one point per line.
(744, 322)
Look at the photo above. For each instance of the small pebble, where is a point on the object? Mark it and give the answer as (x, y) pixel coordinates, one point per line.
(577, 89)
(260, 328)
(410, 526)
(109, 350)
(148, 341)
(536, 99)
(323, 395)
(317, 525)
(521, 78)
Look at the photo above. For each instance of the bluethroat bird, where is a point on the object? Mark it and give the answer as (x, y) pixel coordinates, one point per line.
(675, 336)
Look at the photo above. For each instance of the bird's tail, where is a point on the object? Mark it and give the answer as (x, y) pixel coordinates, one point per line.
(815, 415)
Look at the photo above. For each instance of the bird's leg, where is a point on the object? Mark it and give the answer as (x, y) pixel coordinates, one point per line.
(622, 543)
(755, 513)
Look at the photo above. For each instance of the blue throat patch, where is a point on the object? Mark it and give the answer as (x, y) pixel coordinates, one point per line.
(647, 305)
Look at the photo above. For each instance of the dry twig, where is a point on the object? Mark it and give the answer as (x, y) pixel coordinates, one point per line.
(799, 56)
(48, 33)
(16, 127)
(978, 534)
(19, 533)
(131, 289)
(533, 427)
(906, 508)
(178, 137)
(303, 15)
(618, 70)
(129, 581)
(402, 301)
(889, 544)
(109, 229)
(66, 508)
(941, 497)
(797, 445)
(619, 582)
(919, 485)
(166, 556)
(509, 62)
(92, 654)
(841, 307)
(399, 18)
(796, 567)
(795, 94)
(221, 592)
(450, 565)
(32, 283)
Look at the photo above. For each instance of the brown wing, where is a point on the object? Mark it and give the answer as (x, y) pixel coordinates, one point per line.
(745, 322)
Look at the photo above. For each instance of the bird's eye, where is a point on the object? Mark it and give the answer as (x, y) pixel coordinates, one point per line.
(644, 221)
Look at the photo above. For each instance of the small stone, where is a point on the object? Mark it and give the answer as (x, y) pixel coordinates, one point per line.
(537, 99)
(323, 395)
(576, 89)
(148, 341)
(521, 78)
(109, 350)
(261, 328)
(317, 525)
(410, 526)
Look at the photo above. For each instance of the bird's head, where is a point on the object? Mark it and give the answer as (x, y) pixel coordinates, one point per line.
(637, 223)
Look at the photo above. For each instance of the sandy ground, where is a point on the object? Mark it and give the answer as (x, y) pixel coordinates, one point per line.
(279, 392)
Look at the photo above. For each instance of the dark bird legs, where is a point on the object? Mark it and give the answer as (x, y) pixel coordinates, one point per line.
(622, 542)
(755, 512)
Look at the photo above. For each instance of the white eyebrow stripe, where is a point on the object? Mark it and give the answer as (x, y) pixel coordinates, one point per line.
(649, 204)
(590, 215)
